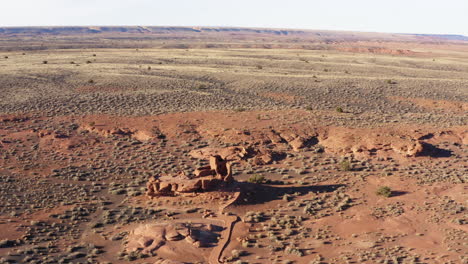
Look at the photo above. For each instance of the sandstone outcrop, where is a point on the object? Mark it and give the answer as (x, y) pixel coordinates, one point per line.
(148, 238)
(412, 148)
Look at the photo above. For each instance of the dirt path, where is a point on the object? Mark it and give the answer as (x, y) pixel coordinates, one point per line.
(229, 222)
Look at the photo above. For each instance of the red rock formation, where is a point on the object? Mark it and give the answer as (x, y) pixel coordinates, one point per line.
(204, 179)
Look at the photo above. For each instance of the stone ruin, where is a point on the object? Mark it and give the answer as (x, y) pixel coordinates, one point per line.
(207, 178)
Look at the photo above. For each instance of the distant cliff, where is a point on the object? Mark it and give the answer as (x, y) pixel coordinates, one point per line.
(140, 29)
(230, 32)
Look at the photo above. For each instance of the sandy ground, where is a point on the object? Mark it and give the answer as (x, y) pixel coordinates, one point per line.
(324, 131)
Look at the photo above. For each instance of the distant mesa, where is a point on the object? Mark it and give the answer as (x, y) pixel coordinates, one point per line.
(323, 35)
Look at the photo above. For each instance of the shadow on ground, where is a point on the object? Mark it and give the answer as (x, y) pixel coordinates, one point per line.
(430, 150)
(397, 193)
(252, 193)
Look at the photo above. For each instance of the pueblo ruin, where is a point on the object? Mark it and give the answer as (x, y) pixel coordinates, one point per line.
(217, 174)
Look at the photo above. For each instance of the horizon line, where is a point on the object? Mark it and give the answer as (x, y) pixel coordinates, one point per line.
(244, 27)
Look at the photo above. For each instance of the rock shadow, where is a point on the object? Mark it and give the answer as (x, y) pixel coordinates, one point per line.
(252, 193)
(311, 142)
(430, 150)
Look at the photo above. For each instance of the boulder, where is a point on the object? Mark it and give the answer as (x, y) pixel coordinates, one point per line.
(412, 148)
(297, 143)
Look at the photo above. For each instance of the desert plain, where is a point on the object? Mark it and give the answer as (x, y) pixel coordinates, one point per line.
(345, 147)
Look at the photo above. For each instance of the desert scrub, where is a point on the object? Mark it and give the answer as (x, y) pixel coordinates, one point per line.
(293, 251)
(254, 217)
(384, 191)
(236, 254)
(339, 110)
(259, 179)
(240, 109)
(345, 165)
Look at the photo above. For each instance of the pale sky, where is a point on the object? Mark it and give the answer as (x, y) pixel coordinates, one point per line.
(397, 16)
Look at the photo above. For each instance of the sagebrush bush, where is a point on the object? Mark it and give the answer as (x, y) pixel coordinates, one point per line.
(256, 179)
(384, 191)
(345, 165)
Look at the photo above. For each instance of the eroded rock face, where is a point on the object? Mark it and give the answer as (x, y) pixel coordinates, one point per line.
(148, 238)
(409, 149)
(207, 178)
(255, 155)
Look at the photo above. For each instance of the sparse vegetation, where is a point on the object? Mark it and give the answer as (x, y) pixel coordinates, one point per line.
(240, 109)
(258, 179)
(384, 191)
(63, 176)
(345, 165)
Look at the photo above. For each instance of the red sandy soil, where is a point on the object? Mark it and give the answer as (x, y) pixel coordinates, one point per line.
(421, 225)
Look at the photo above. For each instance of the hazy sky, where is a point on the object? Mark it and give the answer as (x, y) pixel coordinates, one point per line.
(400, 16)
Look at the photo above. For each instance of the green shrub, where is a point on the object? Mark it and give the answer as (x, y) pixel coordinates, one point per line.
(259, 179)
(345, 165)
(339, 110)
(384, 191)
